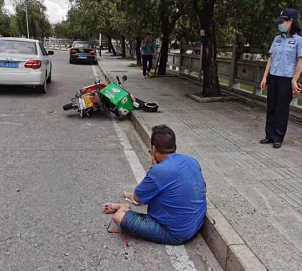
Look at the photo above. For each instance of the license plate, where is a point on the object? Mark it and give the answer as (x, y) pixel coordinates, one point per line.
(88, 102)
(82, 57)
(9, 65)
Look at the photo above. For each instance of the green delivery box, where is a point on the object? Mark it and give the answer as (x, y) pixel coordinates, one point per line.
(119, 97)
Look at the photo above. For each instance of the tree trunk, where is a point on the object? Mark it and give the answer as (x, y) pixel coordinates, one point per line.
(131, 49)
(138, 52)
(109, 44)
(123, 47)
(113, 49)
(164, 50)
(211, 87)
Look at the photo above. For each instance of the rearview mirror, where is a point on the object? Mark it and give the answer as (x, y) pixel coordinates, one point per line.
(51, 53)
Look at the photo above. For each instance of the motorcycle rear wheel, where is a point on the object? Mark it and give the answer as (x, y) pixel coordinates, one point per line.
(68, 106)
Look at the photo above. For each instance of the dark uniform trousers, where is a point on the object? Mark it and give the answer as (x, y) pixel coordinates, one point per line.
(278, 101)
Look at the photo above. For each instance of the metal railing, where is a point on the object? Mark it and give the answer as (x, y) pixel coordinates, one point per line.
(57, 44)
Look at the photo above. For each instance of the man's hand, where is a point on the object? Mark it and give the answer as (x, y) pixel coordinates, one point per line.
(263, 84)
(154, 162)
(131, 197)
(296, 88)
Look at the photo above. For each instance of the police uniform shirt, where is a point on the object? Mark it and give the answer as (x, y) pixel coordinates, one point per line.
(285, 53)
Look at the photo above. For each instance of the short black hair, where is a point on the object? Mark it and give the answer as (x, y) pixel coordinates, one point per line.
(163, 139)
(147, 34)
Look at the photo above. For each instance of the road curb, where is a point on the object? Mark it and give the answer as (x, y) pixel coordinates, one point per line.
(228, 247)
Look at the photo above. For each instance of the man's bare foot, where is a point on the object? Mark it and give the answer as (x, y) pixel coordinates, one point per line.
(111, 208)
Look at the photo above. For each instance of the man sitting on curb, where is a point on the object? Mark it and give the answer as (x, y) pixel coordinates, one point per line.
(173, 189)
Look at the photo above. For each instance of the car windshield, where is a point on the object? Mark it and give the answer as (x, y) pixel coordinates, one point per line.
(83, 45)
(17, 47)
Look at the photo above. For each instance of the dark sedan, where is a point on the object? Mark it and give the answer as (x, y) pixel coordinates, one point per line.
(83, 51)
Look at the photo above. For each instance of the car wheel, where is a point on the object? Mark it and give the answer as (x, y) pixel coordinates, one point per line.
(49, 78)
(43, 88)
(71, 61)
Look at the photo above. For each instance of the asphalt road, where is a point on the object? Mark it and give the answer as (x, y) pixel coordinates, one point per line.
(56, 171)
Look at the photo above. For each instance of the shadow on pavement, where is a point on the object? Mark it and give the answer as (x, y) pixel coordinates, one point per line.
(20, 91)
(83, 64)
(73, 114)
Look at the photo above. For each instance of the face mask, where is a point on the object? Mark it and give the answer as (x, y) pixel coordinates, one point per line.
(282, 28)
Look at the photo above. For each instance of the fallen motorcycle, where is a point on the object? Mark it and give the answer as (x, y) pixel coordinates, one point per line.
(107, 98)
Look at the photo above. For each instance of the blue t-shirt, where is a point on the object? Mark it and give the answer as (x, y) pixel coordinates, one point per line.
(175, 193)
(148, 49)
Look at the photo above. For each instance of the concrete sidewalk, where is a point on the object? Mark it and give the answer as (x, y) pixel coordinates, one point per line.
(255, 191)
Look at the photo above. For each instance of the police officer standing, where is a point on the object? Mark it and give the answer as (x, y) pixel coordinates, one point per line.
(281, 75)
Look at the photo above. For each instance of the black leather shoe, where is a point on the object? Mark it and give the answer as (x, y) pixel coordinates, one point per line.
(277, 145)
(266, 141)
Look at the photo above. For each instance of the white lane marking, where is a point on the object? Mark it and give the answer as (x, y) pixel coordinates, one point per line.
(178, 254)
(135, 164)
(180, 258)
(94, 72)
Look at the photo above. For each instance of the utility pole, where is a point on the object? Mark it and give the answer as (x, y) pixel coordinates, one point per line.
(26, 11)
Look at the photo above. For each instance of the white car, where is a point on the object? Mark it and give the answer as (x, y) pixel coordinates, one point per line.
(24, 62)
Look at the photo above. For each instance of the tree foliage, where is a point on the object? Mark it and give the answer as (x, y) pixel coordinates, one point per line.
(4, 20)
(39, 26)
(15, 24)
(250, 22)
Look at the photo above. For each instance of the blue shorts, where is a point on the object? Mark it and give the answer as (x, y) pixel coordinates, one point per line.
(146, 227)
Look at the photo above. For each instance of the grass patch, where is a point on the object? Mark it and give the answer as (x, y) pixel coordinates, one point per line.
(224, 81)
(247, 88)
